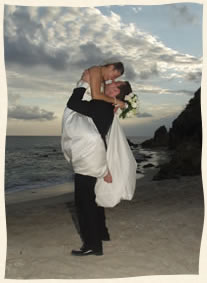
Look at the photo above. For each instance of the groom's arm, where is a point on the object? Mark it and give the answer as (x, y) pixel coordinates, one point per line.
(76, 103)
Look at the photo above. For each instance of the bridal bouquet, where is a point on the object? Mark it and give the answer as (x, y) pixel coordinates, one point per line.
(131, 101)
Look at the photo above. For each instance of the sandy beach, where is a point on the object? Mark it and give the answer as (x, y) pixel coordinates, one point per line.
(157, 233)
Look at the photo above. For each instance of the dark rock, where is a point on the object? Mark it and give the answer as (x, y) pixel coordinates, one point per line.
(140, 157)
(147, 143)
(148, 165)
(140, 160)
(147, 156)
(187, 126)
(132, 144)
(185, 141)
(186, 161)
(138, 171)
(161, 138)
(166, 175)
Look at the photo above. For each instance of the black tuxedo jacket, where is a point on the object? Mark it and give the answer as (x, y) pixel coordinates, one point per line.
(100, 111)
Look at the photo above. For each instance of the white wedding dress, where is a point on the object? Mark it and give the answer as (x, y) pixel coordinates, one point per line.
(83, 146)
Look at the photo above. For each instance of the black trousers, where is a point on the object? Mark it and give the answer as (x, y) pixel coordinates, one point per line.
(91, 217)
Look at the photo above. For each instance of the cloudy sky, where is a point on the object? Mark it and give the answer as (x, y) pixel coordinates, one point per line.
(47, 48)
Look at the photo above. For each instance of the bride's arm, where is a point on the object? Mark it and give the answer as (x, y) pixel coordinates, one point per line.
(95, 85)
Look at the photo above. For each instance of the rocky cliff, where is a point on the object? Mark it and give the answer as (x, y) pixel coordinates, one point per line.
(184, 139)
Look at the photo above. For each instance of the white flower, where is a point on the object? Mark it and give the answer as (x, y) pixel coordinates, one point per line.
(130, 114)
(131, 106)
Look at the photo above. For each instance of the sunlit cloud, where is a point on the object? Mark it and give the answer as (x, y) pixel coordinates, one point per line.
(21, 112)
(47, 49)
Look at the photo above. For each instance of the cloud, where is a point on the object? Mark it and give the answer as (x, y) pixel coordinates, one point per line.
(24, 40)
(21, 112)
(72, 39)
(182, 14)
(47, 48)
(152, 71)
(23, 52)
(144, 115)
(37, 83)
(151, 89)
(90, 54)
(129, 72)
(183, 92)
(13, 98)
(194, 76)
(137, 9)
(148, 127)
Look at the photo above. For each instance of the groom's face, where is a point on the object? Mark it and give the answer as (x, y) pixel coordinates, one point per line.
(112, 89)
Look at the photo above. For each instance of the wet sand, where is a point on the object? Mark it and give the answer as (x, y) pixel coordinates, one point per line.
(157, 233)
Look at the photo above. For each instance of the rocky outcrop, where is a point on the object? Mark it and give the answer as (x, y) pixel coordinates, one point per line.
(134, 145)
(187, 127)
(185, 161)
(185, 141)
(160, 139)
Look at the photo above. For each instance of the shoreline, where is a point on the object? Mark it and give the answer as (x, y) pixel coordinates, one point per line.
(56, 191)
(39, 194)
(158, 156)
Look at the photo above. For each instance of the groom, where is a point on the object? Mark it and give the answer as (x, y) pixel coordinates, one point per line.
(90, 216)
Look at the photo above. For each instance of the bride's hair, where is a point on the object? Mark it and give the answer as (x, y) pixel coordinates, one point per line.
(117, 66)
(125, 89)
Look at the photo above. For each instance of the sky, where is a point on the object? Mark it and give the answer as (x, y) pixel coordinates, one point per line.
(47, 49)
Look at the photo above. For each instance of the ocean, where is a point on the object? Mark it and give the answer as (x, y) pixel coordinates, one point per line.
(37, 161)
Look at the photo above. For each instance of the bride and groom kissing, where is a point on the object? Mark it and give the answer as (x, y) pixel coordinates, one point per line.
(94, 143)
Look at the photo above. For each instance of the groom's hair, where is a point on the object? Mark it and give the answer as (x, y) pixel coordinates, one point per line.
(117, 66)
(125, 89)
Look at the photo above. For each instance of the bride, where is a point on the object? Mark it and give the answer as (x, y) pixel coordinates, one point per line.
(83, 146)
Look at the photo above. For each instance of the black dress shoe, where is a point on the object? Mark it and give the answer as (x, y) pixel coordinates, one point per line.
(84, 252)
(85, 247)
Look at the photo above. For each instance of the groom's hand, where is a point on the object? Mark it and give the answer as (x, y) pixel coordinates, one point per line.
(120, 103)
(108, 178)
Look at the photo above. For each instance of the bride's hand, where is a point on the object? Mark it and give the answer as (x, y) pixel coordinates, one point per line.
(86, 76)
(120, 103)
(116, 108)
(108, 178)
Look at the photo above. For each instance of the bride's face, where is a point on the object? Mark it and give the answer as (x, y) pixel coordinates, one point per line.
(112, 73)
